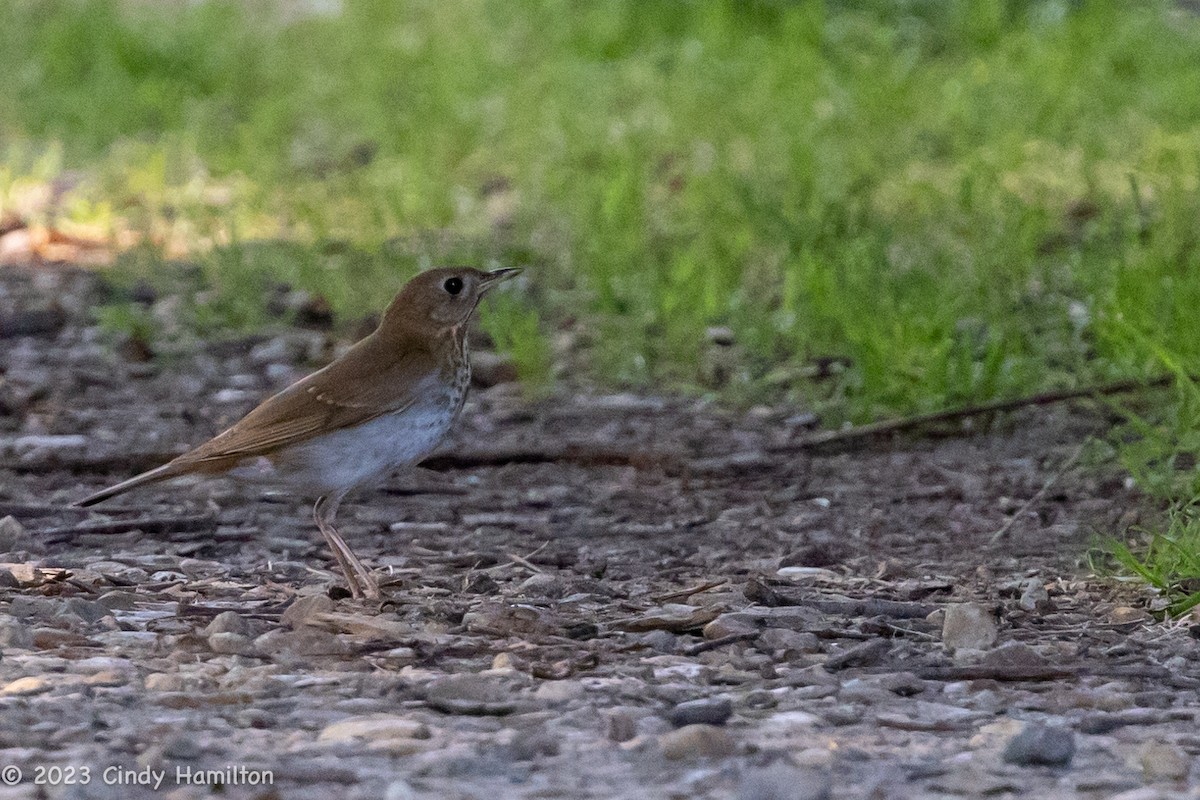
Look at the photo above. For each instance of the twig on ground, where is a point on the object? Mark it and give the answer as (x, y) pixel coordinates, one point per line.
(583, 454)
(868, 652)
(27, 510)
(1048, 672)
(713, 644)
(1037, 497)
(888, 426)
(685, 593)
(116, 462)
(763, 594)
(151, 525)
(522, 561)
(415, 491)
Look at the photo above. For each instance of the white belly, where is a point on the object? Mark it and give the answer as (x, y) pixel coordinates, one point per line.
(344, 459)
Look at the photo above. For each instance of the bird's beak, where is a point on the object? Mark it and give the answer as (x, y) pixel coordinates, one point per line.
(497, 276)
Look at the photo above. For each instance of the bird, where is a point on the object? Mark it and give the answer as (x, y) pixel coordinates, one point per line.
(386, 403)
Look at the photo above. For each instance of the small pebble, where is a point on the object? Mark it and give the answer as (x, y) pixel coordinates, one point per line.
(969, 626)
(1161, 761)
(1051, 745)
(697, 741)
(709, 711)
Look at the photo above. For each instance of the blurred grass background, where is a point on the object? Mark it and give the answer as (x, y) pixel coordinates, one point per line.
(948, 200)
(889, 205)
(962, 200)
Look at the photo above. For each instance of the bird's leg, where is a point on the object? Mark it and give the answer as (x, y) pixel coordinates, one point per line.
(362, 582)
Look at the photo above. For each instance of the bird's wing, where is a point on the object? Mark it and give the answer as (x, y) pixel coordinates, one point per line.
(331, 398)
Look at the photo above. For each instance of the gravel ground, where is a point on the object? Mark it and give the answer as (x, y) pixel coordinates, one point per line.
(593, 596)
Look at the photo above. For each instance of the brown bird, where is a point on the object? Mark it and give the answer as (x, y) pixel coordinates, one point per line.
(385, 404)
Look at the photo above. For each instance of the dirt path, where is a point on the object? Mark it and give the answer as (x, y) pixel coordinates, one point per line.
(595, 596)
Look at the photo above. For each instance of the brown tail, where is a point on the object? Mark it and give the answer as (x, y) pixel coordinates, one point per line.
(165, 472)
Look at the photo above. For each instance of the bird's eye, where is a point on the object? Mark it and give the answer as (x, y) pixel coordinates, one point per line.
(453, 285)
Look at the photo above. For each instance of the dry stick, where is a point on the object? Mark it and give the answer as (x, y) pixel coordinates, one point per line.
(1042, 672)
(1037, 497)
(583, 454)
(887, 426)
(759, 592)
(144, 524)
(865, 653)
(683, 593)
(713, 644)
(586, 455)
(522, 561)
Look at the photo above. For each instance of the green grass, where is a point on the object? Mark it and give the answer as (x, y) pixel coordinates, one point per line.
(966, 200)
(1167, 559)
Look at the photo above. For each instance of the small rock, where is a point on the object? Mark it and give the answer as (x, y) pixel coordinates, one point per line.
(697, 741)
(1034, 597)
(811, 676)
(256, 718)
(185, 748)
(543, 584)
(708, 711)
(558, 693)
(728, 625)
(164, 682)
(279, 349)
(24, 445)
(503, 619)
(529, 744)
(773, 639)
(788, 723)
(374, 727)
(231, 644)
(26, 687)
(227, 622)
(303, 641)
(13, 535)
(472, 694)
(904, 684)
(118, 600)
(659, 641)
(1126, 615)
(87, 610)
(859, 691)
(305, 609)
(844, 715)
(50, 638)
(107, 679)
(926, 716)
(1161, 761)
(782, 782)
(1051, 745)
(366, 626)
(969, 626)
(1014, 656)
(14, 634)
(996, 733)
(621, 726)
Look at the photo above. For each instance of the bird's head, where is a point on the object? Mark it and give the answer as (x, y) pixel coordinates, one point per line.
(441, 299)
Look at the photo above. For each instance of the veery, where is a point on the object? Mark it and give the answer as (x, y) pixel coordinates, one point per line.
(385, 404)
